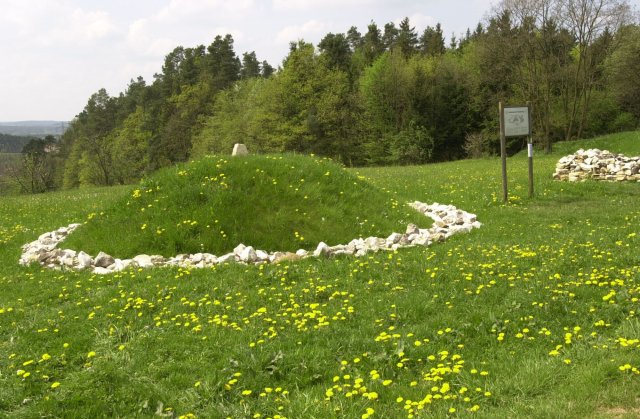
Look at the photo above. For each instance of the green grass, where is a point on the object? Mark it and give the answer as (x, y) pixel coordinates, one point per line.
(479, 316)
(270, 202)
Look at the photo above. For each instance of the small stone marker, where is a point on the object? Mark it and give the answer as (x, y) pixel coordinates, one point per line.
(239, 150)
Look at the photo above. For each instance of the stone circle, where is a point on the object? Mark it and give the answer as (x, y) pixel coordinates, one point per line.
(447, 221)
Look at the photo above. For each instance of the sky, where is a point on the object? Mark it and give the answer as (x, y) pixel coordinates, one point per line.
(54, 54)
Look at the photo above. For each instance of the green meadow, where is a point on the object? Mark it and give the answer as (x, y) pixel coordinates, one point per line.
(533, 315)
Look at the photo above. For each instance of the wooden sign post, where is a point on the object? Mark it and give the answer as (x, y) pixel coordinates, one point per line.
(530, 151)
(503, 155)
(515, 121)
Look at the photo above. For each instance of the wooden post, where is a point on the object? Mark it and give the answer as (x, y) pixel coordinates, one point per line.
(530, 151)
(503, 154)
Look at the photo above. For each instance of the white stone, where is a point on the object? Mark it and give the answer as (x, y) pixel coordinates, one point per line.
(321, 250)
(239, 150)
(103, 260)
(67, 257)
(361, 252)
(412, 229)
(126, 263)
(421, 240)
(84, 260)
(228, 258)
(44, 236)
(597, 165)
(248, 255)
(117, 266)
(143, 261)
(394, 238)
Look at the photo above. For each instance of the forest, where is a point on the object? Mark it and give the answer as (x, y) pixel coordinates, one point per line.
(381, 95)
(13, 143)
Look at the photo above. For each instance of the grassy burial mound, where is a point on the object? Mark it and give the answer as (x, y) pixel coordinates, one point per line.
(277, 202)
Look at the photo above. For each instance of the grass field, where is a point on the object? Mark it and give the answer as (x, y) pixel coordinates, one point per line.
(533, 315)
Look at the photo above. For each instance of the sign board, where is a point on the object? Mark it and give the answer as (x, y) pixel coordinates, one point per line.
(516, 121)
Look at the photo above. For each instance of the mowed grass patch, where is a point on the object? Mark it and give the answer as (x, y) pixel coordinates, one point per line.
(533, 315)
(274, 203)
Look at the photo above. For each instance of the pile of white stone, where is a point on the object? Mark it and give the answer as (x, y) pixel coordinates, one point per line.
(448, 220)
(598, 165)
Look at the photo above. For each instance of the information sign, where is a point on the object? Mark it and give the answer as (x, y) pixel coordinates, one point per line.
(516, 121)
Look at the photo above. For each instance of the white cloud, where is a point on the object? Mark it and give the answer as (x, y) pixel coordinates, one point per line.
(93, 25)
(80, 27)
(46, 23)
(61, 51)
(179, 8)
(187, 23)
(315, 4)
(309, 30)
(419, 21)
(144, 40)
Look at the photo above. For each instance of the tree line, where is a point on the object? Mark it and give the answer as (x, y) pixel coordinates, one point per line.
(389, 95)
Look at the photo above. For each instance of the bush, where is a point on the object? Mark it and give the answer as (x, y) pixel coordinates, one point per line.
(477, 145)
(624, 122)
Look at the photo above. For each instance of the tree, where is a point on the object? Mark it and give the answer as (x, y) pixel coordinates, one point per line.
(354, 38)
(587, 21)
(267, 70)
(564, 44)
(169, 79)
(442, 103)
(90, 142)
(543, 63)
(222, 65)
(389, 36)
(245, 113)
(173, 142)
(432, 41)
(335, 49)
(495, 57)
(131, 148)
(622, 70)
(386, 90)
(372, 44)
(250, 66)
(407, 38)
(412, 145)
(191, 66)
(36, 172)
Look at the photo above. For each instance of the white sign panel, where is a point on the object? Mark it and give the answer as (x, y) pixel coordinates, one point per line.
(516, 121)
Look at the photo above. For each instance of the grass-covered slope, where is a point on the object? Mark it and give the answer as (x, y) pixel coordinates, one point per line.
(278, 202)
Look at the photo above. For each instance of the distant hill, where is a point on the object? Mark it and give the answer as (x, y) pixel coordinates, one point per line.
(34, 128)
